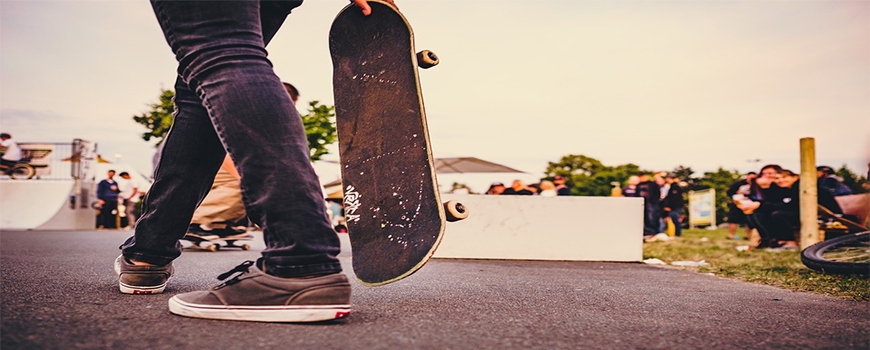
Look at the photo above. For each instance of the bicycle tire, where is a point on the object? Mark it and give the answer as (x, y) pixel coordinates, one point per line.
(22, 171)
(856, 245)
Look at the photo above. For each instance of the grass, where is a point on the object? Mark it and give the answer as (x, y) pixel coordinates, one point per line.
(782, 269)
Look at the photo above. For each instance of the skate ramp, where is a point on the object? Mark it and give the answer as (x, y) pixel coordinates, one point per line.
(42, 205)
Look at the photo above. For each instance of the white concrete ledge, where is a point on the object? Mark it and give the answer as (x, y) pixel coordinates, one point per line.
(546, 228)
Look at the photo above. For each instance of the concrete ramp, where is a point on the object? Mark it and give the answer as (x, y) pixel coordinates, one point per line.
(42, 205)
(546, 228)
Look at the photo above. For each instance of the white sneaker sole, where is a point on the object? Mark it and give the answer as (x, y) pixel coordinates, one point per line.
(128, 289)
(277, 313)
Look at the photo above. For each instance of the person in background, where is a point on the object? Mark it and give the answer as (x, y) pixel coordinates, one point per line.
(496, 188)
(11, 152)
(107, 198)
(128, 196)
(518, 188)
(631, 189)
(778, 218)
(650, 192)
(222, 213)
(828, 180)
(738, 191)
(562, 189)
(673, 203)
(548, 189)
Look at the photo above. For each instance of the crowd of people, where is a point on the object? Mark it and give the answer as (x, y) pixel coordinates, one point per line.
(769, 202)
(663, 201)
(545, 188)
(663, 197)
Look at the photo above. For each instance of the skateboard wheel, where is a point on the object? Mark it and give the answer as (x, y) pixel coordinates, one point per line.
(246, 247)
(213, 248)
(455, 211)
(427, 59)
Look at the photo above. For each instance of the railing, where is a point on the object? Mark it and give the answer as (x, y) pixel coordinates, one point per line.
(59, 160)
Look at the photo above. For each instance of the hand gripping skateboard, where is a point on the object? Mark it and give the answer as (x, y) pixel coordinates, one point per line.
(393, 209)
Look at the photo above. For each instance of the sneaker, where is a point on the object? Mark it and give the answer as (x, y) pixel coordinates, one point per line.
(133, 279)
(252, 295)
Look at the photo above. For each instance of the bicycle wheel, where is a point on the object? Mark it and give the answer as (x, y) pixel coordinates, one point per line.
(849, 254)
(22, 171)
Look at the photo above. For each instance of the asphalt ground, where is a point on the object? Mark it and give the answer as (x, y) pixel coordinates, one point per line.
(59, 292)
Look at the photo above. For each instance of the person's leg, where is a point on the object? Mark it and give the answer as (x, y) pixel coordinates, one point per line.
(785, 225)
(222, 207)
(259, 126)
(110, 220)
(761, 221)
(221, 54)
(7, 166)
(650, 224)
(189, 159)
(130, 211)
(675, 218)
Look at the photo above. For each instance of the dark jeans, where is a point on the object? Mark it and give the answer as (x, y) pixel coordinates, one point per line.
(8, 164)
(775, 226)
(106, 218)
(652, 223)
(228, 99)
(674, 214)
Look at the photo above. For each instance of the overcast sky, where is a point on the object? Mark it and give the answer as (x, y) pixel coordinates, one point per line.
(656, 83)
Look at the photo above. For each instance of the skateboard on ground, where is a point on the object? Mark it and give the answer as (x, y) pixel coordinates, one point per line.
(836, 225)
(215, 242)
(395, 217)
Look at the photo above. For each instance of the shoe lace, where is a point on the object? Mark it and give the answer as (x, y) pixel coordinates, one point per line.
(235, 273)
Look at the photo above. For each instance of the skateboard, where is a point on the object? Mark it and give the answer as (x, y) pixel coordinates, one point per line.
(214, 243)
(393, 209)
(835, 225)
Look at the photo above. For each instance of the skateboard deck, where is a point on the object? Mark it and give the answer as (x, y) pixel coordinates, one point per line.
(394, 214)
(215, 243)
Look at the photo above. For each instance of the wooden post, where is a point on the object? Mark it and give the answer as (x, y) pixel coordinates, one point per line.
(809, 196)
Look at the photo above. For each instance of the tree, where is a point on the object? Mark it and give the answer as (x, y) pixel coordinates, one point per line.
(319, 123)
(159, 118)
(587, 176)
(852, 180)
(319, 128)
(574, 164)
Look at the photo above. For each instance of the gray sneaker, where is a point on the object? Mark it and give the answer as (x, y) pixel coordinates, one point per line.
(134, 279)
(252, 295)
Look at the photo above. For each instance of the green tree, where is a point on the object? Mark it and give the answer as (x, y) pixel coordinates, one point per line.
(319, 123)
(684, 173)
(158, 120)
(587, 176)
(852, 180)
